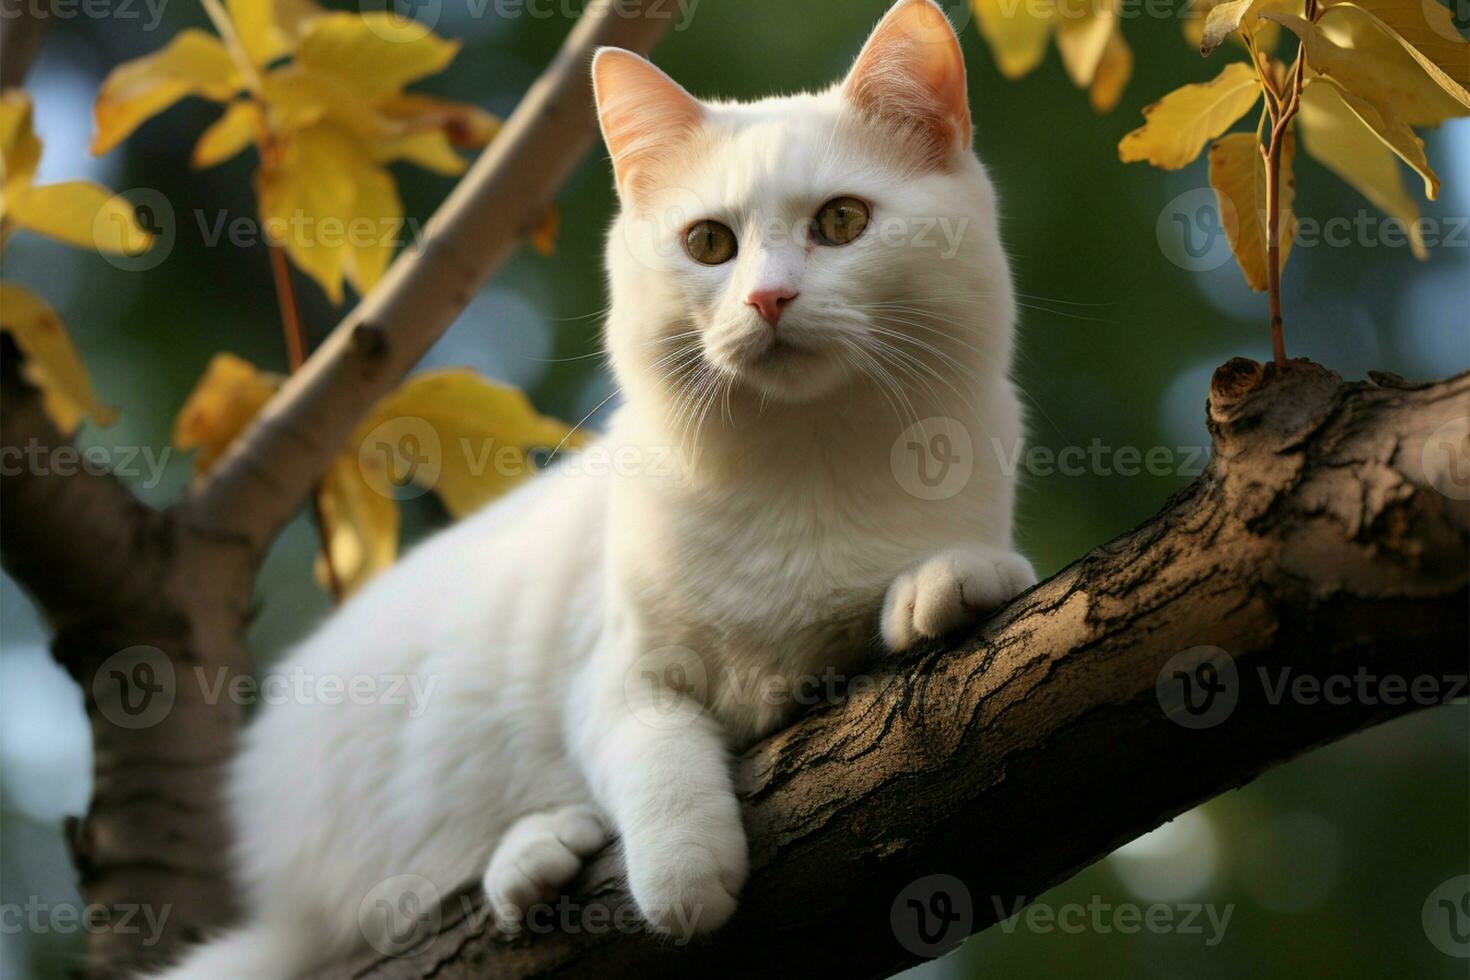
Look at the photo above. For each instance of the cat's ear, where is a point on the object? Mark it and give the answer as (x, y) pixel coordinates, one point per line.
(642, 112)
(912, 72)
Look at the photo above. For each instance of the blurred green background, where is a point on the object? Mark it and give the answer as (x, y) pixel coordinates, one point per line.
(1325, 863)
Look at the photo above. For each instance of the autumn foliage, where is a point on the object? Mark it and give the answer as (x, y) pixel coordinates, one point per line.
(321, 98)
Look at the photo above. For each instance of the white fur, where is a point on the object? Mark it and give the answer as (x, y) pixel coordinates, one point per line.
(598, 644)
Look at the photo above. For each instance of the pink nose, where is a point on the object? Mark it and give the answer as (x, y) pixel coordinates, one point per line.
(771, 302)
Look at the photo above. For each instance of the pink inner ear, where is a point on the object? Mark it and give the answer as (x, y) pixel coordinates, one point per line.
(643, 112)
(912, 72)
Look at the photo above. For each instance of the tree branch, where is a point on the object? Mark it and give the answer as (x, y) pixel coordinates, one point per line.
(21, 32)
(500, 202)
(1315, 544)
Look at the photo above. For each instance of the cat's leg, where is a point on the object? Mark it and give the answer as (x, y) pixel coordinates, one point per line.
(659, 765)
(951, 590)
(538, 857)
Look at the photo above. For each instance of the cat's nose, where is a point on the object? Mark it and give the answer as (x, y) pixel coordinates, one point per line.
(770, 303)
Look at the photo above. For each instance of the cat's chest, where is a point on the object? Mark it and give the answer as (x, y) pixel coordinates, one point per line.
(778, 605)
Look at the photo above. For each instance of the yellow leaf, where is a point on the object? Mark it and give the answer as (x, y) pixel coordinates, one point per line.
(51, 362)
(229, 394)
(270, 29)
(1225, 19)
(1361, 70)
(1339, 139)
(1016, 31)
(1264, 34)
(1238, 174)
(306, 203)
(1113, 73)
(193, 63)
(79, 213)
(1391, 130)
(1179, 125)
(1083, 30)
(484, 430)
(544, 239)
(467, 126)
(299, 97)
(377, 216)
(361, 526)
(378, 53)
(1392, 75)
(1427, 30)
(229, 134)
(429, 148)
(20, 151)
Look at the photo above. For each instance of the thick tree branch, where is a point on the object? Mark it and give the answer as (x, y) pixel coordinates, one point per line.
(498, 204)
(21, 32)
(150, 608)
(71, 529)
(1316, 545)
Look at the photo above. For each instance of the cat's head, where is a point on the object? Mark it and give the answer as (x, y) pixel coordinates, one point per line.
(783, 247)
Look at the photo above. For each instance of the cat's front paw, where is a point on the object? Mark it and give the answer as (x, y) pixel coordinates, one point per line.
(951, 590)
(537, 858)
(684, 888)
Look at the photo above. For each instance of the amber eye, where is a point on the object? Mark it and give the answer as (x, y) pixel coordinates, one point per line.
(840, 221)
(710, 243)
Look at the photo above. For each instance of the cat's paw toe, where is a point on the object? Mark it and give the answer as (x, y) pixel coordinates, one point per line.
(950, 591)
(690, 889)
(538, 857)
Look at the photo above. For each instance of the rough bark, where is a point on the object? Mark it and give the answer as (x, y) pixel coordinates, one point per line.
(1315, 543)
(149, 608)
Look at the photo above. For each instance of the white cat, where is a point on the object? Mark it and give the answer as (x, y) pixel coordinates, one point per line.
(784, 309)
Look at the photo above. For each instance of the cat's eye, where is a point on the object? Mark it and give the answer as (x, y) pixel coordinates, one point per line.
(840, 221)
(710, 243)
